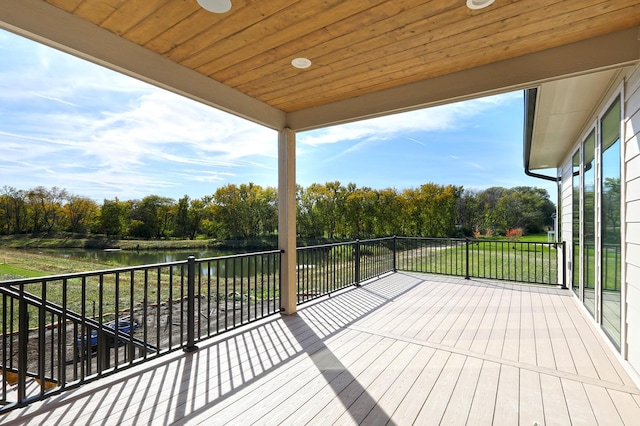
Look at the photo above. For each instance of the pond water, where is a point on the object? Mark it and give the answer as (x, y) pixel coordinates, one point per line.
(135, 258)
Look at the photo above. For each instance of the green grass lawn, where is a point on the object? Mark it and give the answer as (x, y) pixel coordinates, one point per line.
(11, 272)
(534, 238)
(524, 261)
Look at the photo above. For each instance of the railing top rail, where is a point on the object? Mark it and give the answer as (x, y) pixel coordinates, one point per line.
(241, 255)
(480, 240)
(375, 240)
(433, 238)
(127, 269)
(352, 242)
(58, 277)
(319, 246)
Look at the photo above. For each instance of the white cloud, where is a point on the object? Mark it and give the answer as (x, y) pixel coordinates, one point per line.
(88, 127)
(436, 119)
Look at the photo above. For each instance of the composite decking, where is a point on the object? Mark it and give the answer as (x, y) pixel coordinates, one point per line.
(403, 349)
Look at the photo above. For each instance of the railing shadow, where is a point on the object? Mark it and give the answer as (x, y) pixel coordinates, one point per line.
(184, 387)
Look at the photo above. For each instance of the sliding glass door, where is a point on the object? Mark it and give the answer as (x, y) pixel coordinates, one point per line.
(575, 231)
(589, 224)
(610, 223)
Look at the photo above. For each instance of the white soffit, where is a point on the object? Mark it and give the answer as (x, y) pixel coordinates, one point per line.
(563, 110)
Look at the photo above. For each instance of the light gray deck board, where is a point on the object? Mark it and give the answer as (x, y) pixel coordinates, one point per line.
(531, 409)
(553, 401)
(544, 348)
(459, 404)
(497, 335)
(484, 399)
(564, 361)
(396, 392)
(603, 407)
(480, 340)
(507, 397)
(409, 408)
(439, 397)
(511, 344)
(405, 349)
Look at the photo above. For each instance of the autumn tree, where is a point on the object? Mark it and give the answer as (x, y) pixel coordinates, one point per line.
(113, 217)
(46, 208)
(80, 213)
(525, 207)
(245, 211)
(13, 210)
(151, 217)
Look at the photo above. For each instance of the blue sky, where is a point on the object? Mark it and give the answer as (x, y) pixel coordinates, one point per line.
(68, 123)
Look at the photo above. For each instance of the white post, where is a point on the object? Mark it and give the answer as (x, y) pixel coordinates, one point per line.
(287, 218)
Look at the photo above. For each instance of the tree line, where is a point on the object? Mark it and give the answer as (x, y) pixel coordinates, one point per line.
(330, 210)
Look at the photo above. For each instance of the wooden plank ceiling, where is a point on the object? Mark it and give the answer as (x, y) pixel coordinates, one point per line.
(357, 47)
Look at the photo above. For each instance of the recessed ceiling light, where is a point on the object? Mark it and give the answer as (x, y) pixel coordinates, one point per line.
(215, 6)
(301, 63)
(478, 4)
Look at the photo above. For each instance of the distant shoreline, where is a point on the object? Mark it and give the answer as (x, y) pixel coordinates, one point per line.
(97, 242)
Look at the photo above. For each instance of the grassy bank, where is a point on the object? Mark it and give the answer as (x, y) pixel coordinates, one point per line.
(32, 241)
(16, 263)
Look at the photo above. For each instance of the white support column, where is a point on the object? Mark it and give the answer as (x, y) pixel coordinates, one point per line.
(287, 217)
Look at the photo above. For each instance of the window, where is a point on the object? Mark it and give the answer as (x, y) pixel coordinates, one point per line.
(610, 218)
(575, 264)
(589, 224)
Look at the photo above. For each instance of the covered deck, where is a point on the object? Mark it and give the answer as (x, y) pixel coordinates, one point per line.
(406, 348)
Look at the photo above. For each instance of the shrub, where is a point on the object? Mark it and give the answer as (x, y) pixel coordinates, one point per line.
(514, 234)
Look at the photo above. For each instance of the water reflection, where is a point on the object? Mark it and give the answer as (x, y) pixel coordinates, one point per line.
(135, 258)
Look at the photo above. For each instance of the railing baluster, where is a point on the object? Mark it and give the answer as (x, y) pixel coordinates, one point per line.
(170, 308)
(3, 367)
(217, 296)
(357, 265)
(158, 307)
(41, 337)
(23, 345)
(191, 294)
(564, 265)
(466, 263)
(116, 319)
(198, 308)
(85, 366)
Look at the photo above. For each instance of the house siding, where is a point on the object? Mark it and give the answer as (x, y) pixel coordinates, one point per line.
(631, 239)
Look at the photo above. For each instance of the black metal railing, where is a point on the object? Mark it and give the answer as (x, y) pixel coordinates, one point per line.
(327, 268)
(527, 262)
(61, 331)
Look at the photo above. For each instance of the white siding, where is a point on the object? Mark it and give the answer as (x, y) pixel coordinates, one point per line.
(633, 190)
(632, 213)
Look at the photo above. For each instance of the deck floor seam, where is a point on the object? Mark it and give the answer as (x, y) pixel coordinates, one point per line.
(534, 368)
